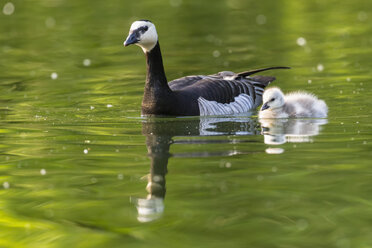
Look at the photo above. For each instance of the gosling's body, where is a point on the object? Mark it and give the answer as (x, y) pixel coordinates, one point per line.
(223, 93)
(295, 104)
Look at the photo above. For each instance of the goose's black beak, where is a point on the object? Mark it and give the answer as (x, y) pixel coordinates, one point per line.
(131, 39)
(265, 106)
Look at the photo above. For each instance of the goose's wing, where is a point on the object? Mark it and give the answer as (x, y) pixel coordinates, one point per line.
(187, 81)
(225, 91)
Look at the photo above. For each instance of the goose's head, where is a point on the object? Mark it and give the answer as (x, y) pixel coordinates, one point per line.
(143, 34)
(273, 98)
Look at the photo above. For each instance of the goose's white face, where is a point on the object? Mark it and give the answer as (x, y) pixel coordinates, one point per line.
(143, 34)
(273, 98)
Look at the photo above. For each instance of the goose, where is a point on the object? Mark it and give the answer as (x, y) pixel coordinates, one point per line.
(295, 104)
(223, 93)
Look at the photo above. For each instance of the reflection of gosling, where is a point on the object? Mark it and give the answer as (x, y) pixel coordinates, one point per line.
(295, 104)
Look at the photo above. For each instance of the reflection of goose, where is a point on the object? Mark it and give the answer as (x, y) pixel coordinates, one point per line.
(152, 207)
(218, 94)
(279, 131)
(295, 104)
(159, 133)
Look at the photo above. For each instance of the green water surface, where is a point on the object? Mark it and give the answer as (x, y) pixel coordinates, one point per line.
(80, 167)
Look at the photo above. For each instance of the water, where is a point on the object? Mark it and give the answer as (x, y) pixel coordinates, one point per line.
(81, 168)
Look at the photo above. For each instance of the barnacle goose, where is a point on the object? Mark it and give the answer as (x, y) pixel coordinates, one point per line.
(295, 104)
(223, 93)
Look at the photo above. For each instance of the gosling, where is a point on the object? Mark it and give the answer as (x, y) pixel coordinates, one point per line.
(295, 104)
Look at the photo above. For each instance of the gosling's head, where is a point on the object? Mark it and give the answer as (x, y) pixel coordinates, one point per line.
(273, 98)
(143, 34)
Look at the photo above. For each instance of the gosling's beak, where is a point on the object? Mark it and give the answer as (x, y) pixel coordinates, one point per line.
(131, 39)
(265, 106)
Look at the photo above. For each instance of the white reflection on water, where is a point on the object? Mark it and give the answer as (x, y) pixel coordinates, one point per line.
(280, 131)
(152, 207)
(149, 209)
(233, 125)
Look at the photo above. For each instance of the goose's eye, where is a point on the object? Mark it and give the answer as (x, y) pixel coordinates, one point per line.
(143, 29)
(272, 99)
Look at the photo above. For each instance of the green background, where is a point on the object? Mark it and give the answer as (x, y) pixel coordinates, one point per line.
(75, 152)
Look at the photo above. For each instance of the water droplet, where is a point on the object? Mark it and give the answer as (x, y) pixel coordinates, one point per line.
(43, 172)
(49, 213)
(216, 53)
(320, 67)
(50, 22)
(85, 151)
(8, 8)
(93, 180)
(260, 178)
(86, 62)
(309, 81)
(362, 16)
(91, 107)
(175, 3)
(269, 204)
(157, 178)
(120, 176)
(261, 19)
(348, 79)
(301, 41)
(109, 105)
(6, 185)
(54, 75)
(228, 165)
(343, 243)
(302, 224)
(210, 38)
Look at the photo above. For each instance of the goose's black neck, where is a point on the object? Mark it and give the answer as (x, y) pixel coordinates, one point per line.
(155, 70)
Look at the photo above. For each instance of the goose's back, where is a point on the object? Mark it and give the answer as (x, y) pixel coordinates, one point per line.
(180, 83)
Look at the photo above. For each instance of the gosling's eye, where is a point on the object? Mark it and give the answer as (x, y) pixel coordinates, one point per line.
(272, 99)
